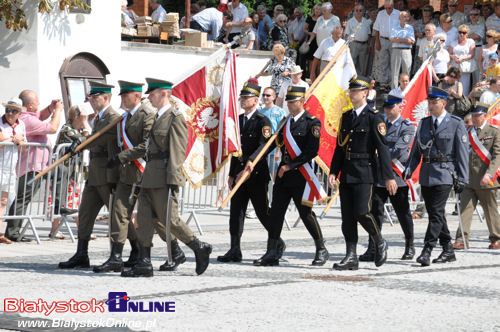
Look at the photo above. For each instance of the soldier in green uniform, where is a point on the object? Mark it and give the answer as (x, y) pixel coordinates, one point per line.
(163, 173)
(101, 180)
(133, 132)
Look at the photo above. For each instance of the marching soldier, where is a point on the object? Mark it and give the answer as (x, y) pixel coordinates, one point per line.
(299, 144)
(101, 180)
(399, 137)
(163, 173)
(484, 163)
(360, 142)
(440, 142)
(133, 132)
(255, 129)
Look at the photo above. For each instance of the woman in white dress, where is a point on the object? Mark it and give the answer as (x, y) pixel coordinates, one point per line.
(489, 48)
(462, 54)
(441, 61)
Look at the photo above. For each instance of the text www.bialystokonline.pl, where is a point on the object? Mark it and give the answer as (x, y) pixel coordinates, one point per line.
(77, 324)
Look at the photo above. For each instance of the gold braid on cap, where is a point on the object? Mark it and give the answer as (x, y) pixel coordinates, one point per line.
(249, 89)
(361, 82)
(296, 94)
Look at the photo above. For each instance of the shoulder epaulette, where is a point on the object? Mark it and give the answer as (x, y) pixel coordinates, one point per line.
(260, 115)
(456, 117)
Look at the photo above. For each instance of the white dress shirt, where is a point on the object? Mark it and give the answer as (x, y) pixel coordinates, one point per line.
(363, 33)
(385, 22)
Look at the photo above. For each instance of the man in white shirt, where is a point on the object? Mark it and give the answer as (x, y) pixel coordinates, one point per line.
(296, 27)
(240, 13)
(208, 20)
(327, 50)
(493, 22)
(492, 94)
(359, 44)
(296, 75)
(402, 39)
(159, 14)
(386, 20)
(404, 80)
(458, 17)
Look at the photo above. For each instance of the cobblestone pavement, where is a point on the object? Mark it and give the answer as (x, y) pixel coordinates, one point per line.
(294, 296)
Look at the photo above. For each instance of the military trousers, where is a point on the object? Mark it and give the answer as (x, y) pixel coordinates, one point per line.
(254, 190)
(283, 192)
(122, 226)
(468, 202)
(355, 206)
(435, 202)
(401, 206)
(152, 214)
(93, 199)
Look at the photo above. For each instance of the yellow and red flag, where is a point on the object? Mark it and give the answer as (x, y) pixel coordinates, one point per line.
(493, 115)
(328, 101)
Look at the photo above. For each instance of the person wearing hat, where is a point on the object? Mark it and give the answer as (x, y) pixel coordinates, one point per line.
(484, 165)
(399, 137)
(290, 183)
(440, 143)
(133, 132)
(361, 148)
(255, 129)
(101, 180)
(166, 152)
(12, 130)
(296, 75)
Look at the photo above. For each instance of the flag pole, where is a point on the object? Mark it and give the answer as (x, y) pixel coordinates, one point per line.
(330, 203)
(332, 62)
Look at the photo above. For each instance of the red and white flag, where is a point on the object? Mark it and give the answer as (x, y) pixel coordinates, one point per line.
(493, 116)
(415, 94)
(198, 97)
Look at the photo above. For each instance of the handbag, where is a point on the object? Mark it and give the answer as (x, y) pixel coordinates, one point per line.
(304, 48)
(462, 106)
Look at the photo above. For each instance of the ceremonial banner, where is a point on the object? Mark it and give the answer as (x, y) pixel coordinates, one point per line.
(415, 94)
(198, 96)
(327, 102)
(493, 116)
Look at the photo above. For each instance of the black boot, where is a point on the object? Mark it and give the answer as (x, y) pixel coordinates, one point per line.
(409, 250)
(114, 262)
(202, 253)
(143, 268)
(350, 261)
(178, 258)
(234, 253)
(380, 250)
(80, 259)
(369, 255)
(270, 258)
(281, 247)
(321, 253)
(134, 254)
(425, 256)
(447, 255)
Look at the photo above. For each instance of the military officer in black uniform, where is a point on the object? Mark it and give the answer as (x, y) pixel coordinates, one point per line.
(399, 137)
(255, 129)
(361, 145)
(290, 183)
(441, 144)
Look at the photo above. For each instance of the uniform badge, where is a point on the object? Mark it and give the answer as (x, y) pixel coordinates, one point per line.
(316, 131)
(266, 131)
(381, 128)
(406, 138)
(464, 138)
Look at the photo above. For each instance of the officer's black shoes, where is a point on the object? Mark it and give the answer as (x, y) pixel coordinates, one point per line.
(321, 253)
(447, 255)
(281, 247)
(270, 258)
(80, 259)
(202, 253)
(143, 268)
(134, 254)
(178, 258)
(409, 250)
(234, 254)
(380, 250)
(425, 257)
(114, 262)
(369, 255)
(350, 261)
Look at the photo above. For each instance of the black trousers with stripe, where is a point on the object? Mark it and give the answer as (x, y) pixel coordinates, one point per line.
(355, 205)
(284, 190)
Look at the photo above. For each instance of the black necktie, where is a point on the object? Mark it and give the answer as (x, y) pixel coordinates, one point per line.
(292, 121)
(436, 124)
(244, 120)
(354, 115)
(389, 125)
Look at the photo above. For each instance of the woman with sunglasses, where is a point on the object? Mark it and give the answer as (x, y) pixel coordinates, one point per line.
(452, 85)
(490, 47)
(12, 130)
(446, 27)
(462, 54)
